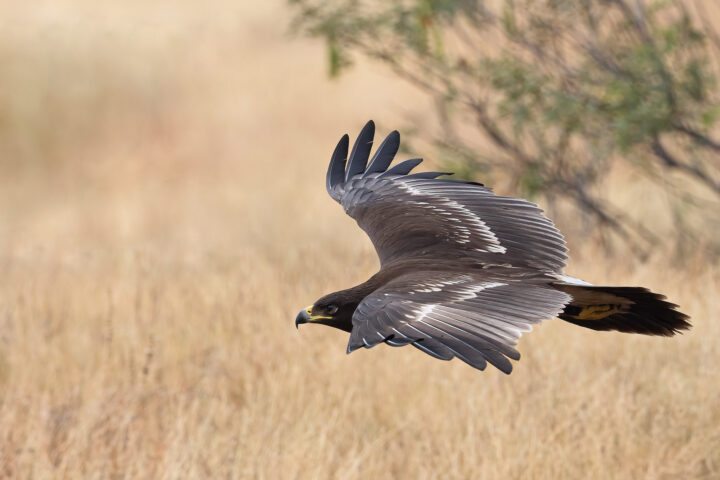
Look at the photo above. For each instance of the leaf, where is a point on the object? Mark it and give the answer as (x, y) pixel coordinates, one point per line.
(710, 116)
(336, 58)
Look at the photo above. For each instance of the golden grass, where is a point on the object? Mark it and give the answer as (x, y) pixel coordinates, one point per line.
(163, 219)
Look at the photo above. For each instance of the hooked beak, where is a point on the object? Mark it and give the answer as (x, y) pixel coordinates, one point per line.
(303, 317)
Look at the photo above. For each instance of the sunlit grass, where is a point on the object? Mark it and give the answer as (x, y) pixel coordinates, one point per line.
(156, 250)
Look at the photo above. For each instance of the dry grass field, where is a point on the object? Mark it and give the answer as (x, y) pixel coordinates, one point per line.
(163, 218)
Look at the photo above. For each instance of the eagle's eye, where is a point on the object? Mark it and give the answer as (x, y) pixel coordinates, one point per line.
(331, 309)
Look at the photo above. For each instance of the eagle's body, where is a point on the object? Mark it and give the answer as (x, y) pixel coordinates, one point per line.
(464, 272)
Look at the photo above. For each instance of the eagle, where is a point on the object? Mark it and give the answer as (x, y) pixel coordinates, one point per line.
(463, 272)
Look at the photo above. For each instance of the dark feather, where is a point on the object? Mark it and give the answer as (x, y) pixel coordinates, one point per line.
(384, 154)
(404, 167)
(336, 170)
(361, 151)
(629, 309)
(428, 174)
(434, 348)
(398, 341)
(457, 310)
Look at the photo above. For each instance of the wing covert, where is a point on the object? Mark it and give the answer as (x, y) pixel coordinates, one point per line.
(448, 314)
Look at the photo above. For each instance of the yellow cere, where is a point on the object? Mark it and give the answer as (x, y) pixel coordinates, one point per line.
(314, 318)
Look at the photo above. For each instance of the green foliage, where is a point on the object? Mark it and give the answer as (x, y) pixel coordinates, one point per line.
(531, 182)
(559, 87)
(710, 116)
(336, 58)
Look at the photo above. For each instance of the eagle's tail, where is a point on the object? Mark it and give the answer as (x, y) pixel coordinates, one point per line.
(625, 309)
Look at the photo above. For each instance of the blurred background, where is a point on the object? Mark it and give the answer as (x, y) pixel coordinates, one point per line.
(163, 218)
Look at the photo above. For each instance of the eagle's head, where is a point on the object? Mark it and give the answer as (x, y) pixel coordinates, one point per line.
(335, 310)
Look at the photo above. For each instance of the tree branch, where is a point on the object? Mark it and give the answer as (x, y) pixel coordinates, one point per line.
(703, 140)
(671, 162)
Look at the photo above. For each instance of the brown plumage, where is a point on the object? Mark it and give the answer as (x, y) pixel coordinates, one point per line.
(464, 272)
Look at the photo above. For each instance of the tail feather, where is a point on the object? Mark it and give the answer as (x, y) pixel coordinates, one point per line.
(625, 309)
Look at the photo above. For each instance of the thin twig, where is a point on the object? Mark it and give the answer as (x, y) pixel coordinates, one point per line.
(671, 162)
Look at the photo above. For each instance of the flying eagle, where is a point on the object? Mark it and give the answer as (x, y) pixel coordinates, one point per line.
(464, 272)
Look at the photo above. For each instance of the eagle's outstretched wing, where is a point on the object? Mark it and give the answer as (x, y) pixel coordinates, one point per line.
(448, 315)
(421, 216)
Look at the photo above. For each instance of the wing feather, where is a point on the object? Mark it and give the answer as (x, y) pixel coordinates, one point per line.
(412, 215)
(429, 175)
(361, 151)
(463, 313)
(336, 170)
(434, 348)
(403, 168)
(405, 218)
(384, 154)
